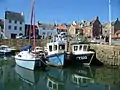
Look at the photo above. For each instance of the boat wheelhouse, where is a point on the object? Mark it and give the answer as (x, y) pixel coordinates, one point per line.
(80, 52)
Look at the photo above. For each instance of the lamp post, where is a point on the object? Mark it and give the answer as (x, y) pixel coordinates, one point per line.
(110, 37)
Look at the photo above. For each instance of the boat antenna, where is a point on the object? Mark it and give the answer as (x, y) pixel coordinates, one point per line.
(110, 37)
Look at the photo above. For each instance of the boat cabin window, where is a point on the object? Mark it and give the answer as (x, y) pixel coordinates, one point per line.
(55, 47)
(3, 48)
(52, 85)
(75, 48)
(75, 79)
(85, 47)
(80, 47)
(50, 48)
(61, 47)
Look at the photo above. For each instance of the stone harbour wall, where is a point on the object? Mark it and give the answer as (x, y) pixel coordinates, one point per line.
(107, 54)
(19, 43)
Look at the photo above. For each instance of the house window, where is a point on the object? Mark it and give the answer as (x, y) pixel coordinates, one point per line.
(76, 31)
(9, 27)
(15, 22)
(15, 27)
(43, 28)
(20, 22)
(43, 33)
(20, 28)
(10, 21)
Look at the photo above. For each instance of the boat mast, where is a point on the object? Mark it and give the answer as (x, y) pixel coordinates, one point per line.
(31, 19)
(34, 29)
(110, 39)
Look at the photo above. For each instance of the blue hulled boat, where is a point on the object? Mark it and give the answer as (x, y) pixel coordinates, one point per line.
(56, 53)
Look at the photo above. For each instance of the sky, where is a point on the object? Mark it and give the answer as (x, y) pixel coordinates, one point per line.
(63, 11)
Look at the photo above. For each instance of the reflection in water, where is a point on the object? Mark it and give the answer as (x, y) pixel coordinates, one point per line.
(82, 76)
(13, 77)
(28, 76)
(56, 79)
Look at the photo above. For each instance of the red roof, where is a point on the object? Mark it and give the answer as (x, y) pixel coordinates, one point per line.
(63, 27)
(1, 20)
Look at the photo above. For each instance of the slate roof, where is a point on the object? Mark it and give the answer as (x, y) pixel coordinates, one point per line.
(45, 25)
(14, 16)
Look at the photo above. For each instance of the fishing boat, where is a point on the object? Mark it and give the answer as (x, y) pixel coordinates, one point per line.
(81, 54)
(26, 58)
(56, 53)
(5, 50)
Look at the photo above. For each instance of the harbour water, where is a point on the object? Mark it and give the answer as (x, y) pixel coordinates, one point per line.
(13, 77)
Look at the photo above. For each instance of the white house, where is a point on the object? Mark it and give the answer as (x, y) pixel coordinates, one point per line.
(47, 30)
(14, 24)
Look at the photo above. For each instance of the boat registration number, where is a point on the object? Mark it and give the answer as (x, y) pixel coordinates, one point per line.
(81, 57)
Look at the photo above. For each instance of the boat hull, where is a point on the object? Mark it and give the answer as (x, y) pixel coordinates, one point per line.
(29, 64)
(5, 53)
(84, 58)
(56, 59)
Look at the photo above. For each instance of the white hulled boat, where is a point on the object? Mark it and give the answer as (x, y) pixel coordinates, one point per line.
(26, 58)
(5, 50)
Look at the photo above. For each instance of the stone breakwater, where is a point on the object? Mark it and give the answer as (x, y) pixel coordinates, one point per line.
(108, 55)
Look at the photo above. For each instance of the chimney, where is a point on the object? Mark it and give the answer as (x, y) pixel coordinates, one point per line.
(22, 13)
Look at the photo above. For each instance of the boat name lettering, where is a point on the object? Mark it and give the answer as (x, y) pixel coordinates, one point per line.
(81, 57)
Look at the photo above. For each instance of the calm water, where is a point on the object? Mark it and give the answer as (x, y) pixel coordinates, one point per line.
(13, 77)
